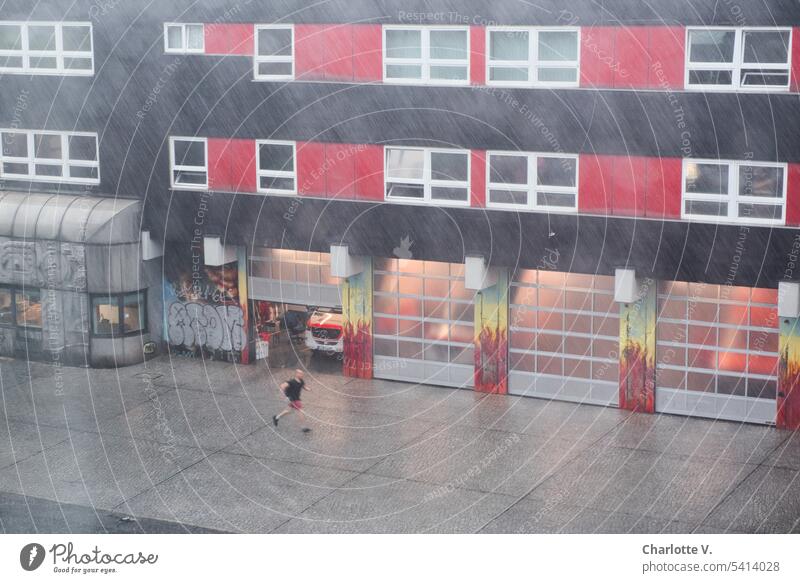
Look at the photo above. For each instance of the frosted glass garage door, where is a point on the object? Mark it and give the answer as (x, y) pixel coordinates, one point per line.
(292, 277)
(717, 351)
(423, 323)
(564, 337)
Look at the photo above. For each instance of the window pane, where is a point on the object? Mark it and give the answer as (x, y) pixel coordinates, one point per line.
(711, 46)
(715, 209)
(558, 75)
(706, 178)
(558, 199)
(47, 146)
(29, 309)
(133, 312)
(194, 36)
(276, 157)
(6, 309)
(76, 38)
(448, 73)
(710, 77)
(403, 44)
(10, 37)
(403, 71)
(508, 169)
(274, 69)
(48, 170)
(183, 177)
(761, 181)
(277, 183)
(105, 315)
(508, 197)
(15, 168)
(77, 64)
(449, 44)
(447, 166)
(11, 62)
(404, 163)
(189, 153)
(15, 144)
(82, 148)
(558, 46)
(556, 171)
(42, 38)
(449, 194)
(88, 172)
(761, 78)
(405, 191)
(766, 46)
(760, 211)
(175, 37)
(508, 45)
(508, 74)
(43, 62)
(275, 41)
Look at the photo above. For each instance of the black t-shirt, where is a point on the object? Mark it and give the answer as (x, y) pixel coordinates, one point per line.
(294, 389)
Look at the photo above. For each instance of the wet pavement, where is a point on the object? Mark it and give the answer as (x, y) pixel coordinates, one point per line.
(187, 445)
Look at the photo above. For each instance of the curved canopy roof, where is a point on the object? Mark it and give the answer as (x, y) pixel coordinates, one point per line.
(67, 217)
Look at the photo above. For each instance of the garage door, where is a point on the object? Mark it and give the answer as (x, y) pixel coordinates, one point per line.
(292, 277)
(422, 323)
(564, 337)
(717, 351)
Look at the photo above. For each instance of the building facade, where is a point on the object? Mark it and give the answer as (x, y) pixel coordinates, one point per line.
(592, 201)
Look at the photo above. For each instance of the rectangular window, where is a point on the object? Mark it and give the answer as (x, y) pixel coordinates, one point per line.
(46, 48)
(532, 181)
(277, 173)
(119, 314)
(432, 55)
(274, 52)
(6, 307)
(28, 308)
(183, 38)
(746, 192)
(428, 175)
(63, 157)
(189, 163)
(533, 56)
(738, 58)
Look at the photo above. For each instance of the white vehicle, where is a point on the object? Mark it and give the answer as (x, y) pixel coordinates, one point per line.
(324, 330)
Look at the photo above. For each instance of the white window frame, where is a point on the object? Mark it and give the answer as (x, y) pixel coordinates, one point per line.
(733, 198)
(64, 161)
(531, 188)
(180, 167)
(737, 64)
(273, 58)
(425, 61)
(267, 173)
(58, 53)
(426, 181)
(532, 62)
(184, 48)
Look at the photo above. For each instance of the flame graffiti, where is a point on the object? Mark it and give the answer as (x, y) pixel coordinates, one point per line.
(637, 378)
(358, 349)
(491, 361)
(788, 416)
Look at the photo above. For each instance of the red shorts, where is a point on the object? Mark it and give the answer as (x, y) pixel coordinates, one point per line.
(296, 404)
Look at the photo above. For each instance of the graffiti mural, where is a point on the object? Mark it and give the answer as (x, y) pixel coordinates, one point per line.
(204, 307)
(357, 315)
(637, 337)
(491, 337)
(43, 264)
(788, 416)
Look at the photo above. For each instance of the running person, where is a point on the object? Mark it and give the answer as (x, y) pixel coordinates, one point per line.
(291, 389)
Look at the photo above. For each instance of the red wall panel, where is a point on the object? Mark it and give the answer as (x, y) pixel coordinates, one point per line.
(597, 56)
(478, 178)
(232, 165)
(309, 51)
(228, 39)
(630, 186)
(340, 172)
(663, 188)
(793, 195)
(369, 173)
(477, 56)
(667, 57)
(631, 64)
(311, 168)
(339, 53)
(595, 184)
(795, 80)
(367, 52)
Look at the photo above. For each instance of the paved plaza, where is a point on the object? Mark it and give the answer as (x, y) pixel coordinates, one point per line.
(183, 445)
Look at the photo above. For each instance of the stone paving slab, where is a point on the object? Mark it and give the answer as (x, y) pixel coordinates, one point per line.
(20, 440)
